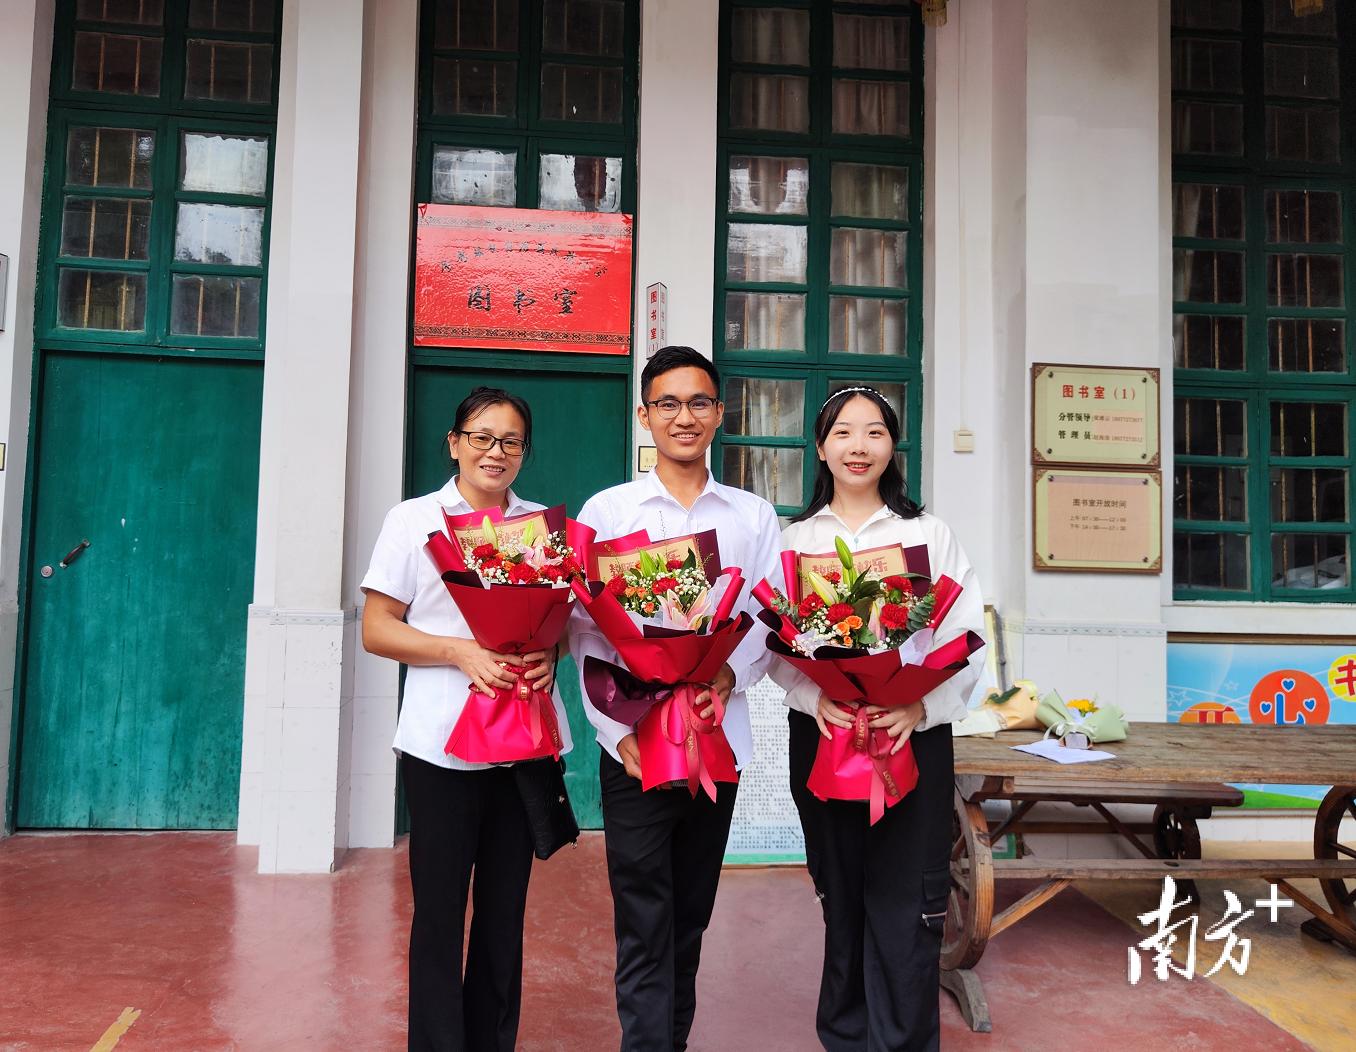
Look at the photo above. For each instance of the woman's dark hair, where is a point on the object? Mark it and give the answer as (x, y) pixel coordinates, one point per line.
(667, 359)
(483, 398)
(893, 492)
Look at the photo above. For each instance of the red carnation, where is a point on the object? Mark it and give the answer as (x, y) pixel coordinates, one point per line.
(617, 586)
(675, 564)
(832, 576)
(809, 605)
(483, 551)
(550, 552)
(895, 583)
(894, 615)
(491, 564)
(665, 584)
(522, 573)
(570, 565)
(552, 573)
(839, 612)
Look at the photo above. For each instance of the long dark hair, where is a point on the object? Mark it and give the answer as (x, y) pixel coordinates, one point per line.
(481, 398)
(893, 492)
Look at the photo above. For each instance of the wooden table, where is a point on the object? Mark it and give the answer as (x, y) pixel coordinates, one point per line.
(1180, 769)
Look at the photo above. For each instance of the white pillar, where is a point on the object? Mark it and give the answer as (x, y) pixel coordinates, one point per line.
(294, 769)
(25, 71)
(377, 407)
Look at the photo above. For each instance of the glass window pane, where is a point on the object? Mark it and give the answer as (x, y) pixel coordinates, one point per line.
(463, 176)
(1301, 280)
(858, 325)
(870, 42)
(1210, 560)
(764, 321)
(1202, 341)
(765, 252)
(1207, 210)
(1202, 492)
(215, 306)
(770, 102)
(1311, 216)
(229, 71)
(1211, 427)
(225, 164)
(130, 12)
(776, 475)
(118, 65)
(1309, 429)
(769, 185)
(475, 25)
(1214, 128)
(1309, 494)
(475, 87)
(106, 227)
(770, 36)
(1301, 71)
(1309, 560)
(1205, 14)
(110, 157)
(1303, 133)
(868, 257)
(1281, 18)
(1199, 276)
(871, 191)
(894, 394)
(580, 184)
(584, 27)
(581, 93)
(245, 16)
(764, 408)
(1207, 65)
(1307, 345)
(870, 107)
(101, 299)
(225, 234)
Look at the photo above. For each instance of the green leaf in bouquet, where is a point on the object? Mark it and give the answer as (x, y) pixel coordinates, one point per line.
(690, 563)
(649, 565)
(487, 531)
(864, 589)
(921, 613)
(866, 638)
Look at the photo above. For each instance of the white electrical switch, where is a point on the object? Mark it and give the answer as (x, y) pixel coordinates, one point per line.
(963, 440)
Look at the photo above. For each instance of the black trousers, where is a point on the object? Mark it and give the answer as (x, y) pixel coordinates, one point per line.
(884, 890)
(463, 822)
(664, 853)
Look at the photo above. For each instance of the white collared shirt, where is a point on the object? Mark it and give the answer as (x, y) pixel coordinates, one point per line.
(434, 694)
(749, 537)
(816, 536)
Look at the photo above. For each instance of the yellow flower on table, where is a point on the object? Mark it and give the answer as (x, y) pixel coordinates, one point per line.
(1084, 705)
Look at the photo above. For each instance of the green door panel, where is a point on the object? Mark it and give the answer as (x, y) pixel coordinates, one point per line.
(133, 683)
(579, 429)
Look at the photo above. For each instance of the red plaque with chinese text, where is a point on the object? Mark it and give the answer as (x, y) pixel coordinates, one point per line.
(522, 279)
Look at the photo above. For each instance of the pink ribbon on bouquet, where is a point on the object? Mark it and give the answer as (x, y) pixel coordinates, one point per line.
(678, 716)
(541, 711)
(876, 746)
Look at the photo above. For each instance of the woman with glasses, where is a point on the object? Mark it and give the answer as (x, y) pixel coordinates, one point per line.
(464, 817)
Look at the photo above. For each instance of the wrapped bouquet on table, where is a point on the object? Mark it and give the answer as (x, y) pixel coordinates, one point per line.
(862, 627)
(511, 580)
(665, 607)
(1081, 722)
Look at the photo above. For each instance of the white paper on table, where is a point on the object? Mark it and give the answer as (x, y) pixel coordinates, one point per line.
(1050, 749)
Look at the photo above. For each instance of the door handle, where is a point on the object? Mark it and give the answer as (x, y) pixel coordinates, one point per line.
(74, 554)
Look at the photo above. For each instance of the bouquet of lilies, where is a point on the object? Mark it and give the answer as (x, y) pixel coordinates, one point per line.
(510, 579)
(674, 589)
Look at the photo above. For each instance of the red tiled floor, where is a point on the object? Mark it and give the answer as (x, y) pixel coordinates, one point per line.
(218, 957)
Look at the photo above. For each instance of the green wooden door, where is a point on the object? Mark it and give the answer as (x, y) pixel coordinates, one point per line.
(579, 431)
(133, 680)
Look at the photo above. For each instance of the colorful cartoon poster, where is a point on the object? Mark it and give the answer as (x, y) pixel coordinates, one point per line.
(1286, 684)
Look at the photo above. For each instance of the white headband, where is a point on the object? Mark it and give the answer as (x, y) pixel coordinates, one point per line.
(852, 390)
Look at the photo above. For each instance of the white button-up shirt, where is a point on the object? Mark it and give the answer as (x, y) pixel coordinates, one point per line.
(434, 694)
(816, 536)
(748, 534)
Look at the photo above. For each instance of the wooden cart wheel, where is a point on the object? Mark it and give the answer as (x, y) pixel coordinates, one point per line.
(969, 909)
(1340, 803)
(1176, 835)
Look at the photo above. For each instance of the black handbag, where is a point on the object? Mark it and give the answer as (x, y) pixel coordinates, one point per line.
(541, 784)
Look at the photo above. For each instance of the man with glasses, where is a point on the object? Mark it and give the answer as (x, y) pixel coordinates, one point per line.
(665, 847)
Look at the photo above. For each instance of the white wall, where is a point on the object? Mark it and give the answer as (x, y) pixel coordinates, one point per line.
(25, 69)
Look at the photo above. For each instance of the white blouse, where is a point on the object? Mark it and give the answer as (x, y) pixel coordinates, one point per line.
(816, 535)
(434, 694)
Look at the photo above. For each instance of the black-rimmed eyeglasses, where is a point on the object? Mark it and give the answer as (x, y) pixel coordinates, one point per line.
(668, 408)
(513, 447)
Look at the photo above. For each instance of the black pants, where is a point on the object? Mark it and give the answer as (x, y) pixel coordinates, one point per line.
(664, 853)
(884, 890)
(464, 821)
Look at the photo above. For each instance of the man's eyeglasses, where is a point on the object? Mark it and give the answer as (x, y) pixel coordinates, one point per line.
(668, 408)
(513, 447)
